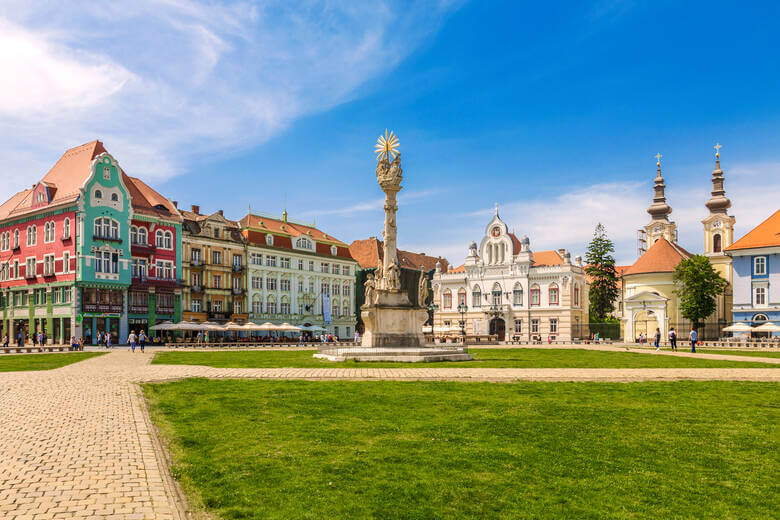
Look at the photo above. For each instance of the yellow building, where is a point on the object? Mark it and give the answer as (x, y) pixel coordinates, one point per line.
(649, 299)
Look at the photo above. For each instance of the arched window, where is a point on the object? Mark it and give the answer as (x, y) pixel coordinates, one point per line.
(447, 299)
(5, 239)
(48, 232)
(106, 228)
(143, 236)
(576, 295)
(168, 240)
(716, 243)
(517, 294)
(133, 235)
(159, 239)
(535, 294)
(114, 197)
(476, 296)
(269, 239)
(461, 296)
(66, 228)
(758, 318)
(114, 229)
(496, 294)
(333, 250)
(303, 243)
(16, 238)
(98, 194)
(32, 235)
(553, 294)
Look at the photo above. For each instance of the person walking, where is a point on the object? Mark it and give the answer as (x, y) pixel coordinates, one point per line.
(107, 339)
(694, 337)
(34, 339)
(5, 341)
(20, 339)
(142, 340)
(41, 339)
(673, 339)
(657, 339)
(131, 339)
(357, 336)
(199, 337)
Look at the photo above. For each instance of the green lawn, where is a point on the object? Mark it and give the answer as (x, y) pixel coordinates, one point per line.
(13, 363)
(306, 449)
(752, 353)
(488, 358)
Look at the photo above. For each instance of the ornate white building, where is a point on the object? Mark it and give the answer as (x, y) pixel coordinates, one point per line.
(505, 288)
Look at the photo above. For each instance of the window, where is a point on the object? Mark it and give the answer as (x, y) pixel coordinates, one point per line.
(66, 229)
(760, 296)
(303, 243)
(107, 173)
(576, 295)
(257, 307)
(98, 194)
(32, 235)
(336, 269)
(517, 295)
(759, 265)
(325, 288)
(56, 295)
(324, 268)
(285, 285)
(16, 269)
(16, 238)
(4, 272)
(270, 261)
(237, 261)
(216, 257)
(345, 311)
(143, 236)
(716, 243)
(256, 259)
(448, 299)
(168, 240)
(29, 268)
(311, 265)
(106, 228)
(217, 281)
(496, 294)
(48, 265)
(5, 241)
(195, 279)
(159, 239)
(534, 326)
(114, 197)
(461, 297)
(164, 269)
(133, 235)
(300, 265)
(518, 326)
(300, 285)
(195, 255)
(336, 289)
(196, 305)
(270, 283)
(476, 297)
(347, 290)
(553, 325)
(284, 262)
(553, 293)
(345, 270)
(48, 232)
(285, 308)
(272, 307)
(257, 282)
(334, 250)
(237, 283)
(535, 294)
(106, 262)
(217, 305)
(269, 239)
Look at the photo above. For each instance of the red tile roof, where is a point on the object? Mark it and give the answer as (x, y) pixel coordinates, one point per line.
(148, 201)
(544, 258)
(275, 226)
(662, 257)
(766, 234)
(368, 252)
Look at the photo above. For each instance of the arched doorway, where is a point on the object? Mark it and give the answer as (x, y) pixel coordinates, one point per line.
(645, 322)
(498, 327)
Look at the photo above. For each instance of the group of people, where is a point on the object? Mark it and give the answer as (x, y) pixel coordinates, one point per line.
(139, 340)
(693, 337)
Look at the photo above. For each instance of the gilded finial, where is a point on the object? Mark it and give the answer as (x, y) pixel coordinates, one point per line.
(658, 159)
(717, 155)
(386, 146)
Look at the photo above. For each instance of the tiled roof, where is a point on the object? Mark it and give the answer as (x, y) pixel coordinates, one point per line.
(766, 234)
(542, 258)
(460, 269)
(67, 176)
(276, 226)
(515, 243)
(662, 257)
(148, 201)
(368, 252)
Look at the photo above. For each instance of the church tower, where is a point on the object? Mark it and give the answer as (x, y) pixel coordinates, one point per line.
(718, 235)
(660, 226)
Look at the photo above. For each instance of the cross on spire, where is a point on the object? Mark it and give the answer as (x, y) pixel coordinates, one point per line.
(658, 158)
(717, 149)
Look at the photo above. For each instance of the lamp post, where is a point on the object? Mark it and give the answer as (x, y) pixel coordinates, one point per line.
(462, 308)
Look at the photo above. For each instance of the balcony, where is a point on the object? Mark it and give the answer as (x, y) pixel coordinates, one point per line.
(157, 281)
(238, 268)
(102, 307)
(106, 238)
(238, 291)
(139, 309)
(164, 310)
(142, 247)
(197, 263)
(216, 315)
(65, 238)
(196, 289)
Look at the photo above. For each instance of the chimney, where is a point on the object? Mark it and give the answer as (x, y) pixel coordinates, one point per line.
(221, 213)
(196, 209)
(175, 204)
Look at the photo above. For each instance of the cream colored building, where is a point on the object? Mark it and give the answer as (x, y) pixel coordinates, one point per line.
(506, 289)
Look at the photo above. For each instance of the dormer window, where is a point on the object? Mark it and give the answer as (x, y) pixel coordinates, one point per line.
(98, 194)
(269, 239)
(334, 250)
(114, 197)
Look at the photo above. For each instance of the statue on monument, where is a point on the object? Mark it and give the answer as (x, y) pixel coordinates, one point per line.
(369, 285)
(422, 290)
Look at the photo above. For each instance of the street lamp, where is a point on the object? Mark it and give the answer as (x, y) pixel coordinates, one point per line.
(462, 308)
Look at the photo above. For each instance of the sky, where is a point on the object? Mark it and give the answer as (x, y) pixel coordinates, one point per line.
(553, 110)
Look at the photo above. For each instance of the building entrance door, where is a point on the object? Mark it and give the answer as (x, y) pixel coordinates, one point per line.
(498, 327)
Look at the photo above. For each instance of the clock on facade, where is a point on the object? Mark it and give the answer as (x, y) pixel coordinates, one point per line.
(716, 224)
(496, 231)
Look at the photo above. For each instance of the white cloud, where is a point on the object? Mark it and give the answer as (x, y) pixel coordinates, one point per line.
(165, 82)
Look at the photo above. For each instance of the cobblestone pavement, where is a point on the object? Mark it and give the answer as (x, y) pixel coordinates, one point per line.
(76, 442)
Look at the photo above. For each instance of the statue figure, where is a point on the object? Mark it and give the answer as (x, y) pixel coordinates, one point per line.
(422, 290)
(393, 278)
(370, 287)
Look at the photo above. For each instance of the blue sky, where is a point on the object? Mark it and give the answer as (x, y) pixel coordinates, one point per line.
(553, 110)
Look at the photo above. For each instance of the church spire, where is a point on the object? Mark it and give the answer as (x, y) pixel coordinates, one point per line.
(659, 209)
(718, 203)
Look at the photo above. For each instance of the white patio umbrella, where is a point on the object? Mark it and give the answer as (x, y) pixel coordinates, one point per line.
(250, 326)
(738, 327)
(268, 326)
(289, 328)
(233, 326)
(211, 325)
(767, 327)
(186, 325)
(165, 325)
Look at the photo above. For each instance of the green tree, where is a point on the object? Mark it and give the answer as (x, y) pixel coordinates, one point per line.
(698, 285)
(600, 269)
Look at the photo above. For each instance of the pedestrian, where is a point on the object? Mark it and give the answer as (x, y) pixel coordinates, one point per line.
(357, 336)
(5, 341)
(107, 339)
(20, 339)
(131, 339)
(34, 339)
(199, 337)
(41, 339)
(694, 336)
(142, 340)
(73, 343)
(673, 339)
(657, 339)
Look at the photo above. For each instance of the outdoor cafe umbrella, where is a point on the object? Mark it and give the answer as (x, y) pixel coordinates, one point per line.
(186, 325)
(249, 326)
(268, 326)
(165, 325)
(738, 327)
(286, 327)
(211, 325)
(767, 327)
(233, 326)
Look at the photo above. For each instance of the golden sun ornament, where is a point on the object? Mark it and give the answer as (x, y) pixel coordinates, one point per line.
(386, 146)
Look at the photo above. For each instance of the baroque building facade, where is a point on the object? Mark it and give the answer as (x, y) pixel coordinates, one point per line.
(649, 300)
(66, 265)
(298, 274)
(507, 290)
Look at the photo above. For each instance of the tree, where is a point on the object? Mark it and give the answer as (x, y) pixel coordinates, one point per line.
(600, 269)
(698, 284)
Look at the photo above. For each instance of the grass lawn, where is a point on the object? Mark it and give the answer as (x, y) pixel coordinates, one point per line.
(349, 449)
(487, 358)
(14, 363)
(752, 353)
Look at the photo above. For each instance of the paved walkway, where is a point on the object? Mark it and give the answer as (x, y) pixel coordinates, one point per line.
(76, 442)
